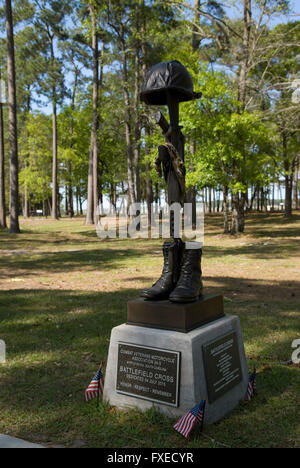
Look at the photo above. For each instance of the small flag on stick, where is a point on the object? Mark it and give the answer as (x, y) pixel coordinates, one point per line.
(251, 386)
(185, 424)
(95, 389)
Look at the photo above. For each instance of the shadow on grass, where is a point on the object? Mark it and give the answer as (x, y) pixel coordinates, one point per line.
(106, 257)
(34, 315)
(263, 251)
(256, 289)
(102, 258)
(259, 225)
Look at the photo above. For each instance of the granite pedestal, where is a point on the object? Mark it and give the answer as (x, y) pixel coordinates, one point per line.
(174, 371)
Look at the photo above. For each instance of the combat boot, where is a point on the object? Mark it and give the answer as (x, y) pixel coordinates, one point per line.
(189, 286)
(173, 255)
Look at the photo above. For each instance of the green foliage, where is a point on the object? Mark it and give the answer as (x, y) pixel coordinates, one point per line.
(35, 156)
(233, 148)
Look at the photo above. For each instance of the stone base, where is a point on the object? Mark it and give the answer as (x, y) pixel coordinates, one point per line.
(195, 380)
(8, 442)
(167, 315)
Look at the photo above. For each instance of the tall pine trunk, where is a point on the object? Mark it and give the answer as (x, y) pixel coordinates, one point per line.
(26, 192)
(149, 185)
(296, 183)
(55, 207)
(235, 213)
(13, 133)
(288, 177)
(137, 130)
(70, 205)
(245, 55)
(128, 131)
(288, 196)
(90, 192)
(192, 192)
(70, 195)
(93, 192)
(136, 100)
(226, 209)
(239, 202)
(26, 195)
(54, 162)
(2, 173)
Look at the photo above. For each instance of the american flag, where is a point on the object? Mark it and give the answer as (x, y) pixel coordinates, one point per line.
(251, 386)
(96, 386)
(185, 424)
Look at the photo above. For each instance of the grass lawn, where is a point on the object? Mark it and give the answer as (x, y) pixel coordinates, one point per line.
(62, 290)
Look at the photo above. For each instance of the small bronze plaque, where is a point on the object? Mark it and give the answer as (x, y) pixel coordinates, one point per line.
(148, 373)
(222, 366)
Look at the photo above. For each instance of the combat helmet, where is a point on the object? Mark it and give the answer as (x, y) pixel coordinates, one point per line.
(167, 76)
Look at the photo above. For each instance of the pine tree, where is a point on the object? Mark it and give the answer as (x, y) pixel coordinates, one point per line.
(50, 17)
(2, 158)
(13, 131)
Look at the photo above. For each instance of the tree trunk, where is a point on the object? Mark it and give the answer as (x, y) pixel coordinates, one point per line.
(238, 213)
(245, 56)
(263, 200)
(242, 206)
(70, 206)
(192, 193)
(238, 203)
(13, 133)
(225, 209)
(235, 213)
(252, 198)
(149, 194)
(45, 209)
(149, 185)
(77, 202)
(191, 198)
(288, 196)
(54, 163)
(95, 124)
(209, 200)
(90, 191)
(93, 195)
(296, 182)
(128, 133)
(55, 207)
(137, 130)
(66, 201)
(26, 212)
(26, 196)
(136, 100)
(3, 224)
(288, 177)
(69, 165)
(196, 38)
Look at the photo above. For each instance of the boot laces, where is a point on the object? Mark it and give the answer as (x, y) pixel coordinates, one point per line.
(163, 279)
(187, 270)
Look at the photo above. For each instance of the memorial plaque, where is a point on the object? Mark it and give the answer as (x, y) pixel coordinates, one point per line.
(148, 373)
(222, 366)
